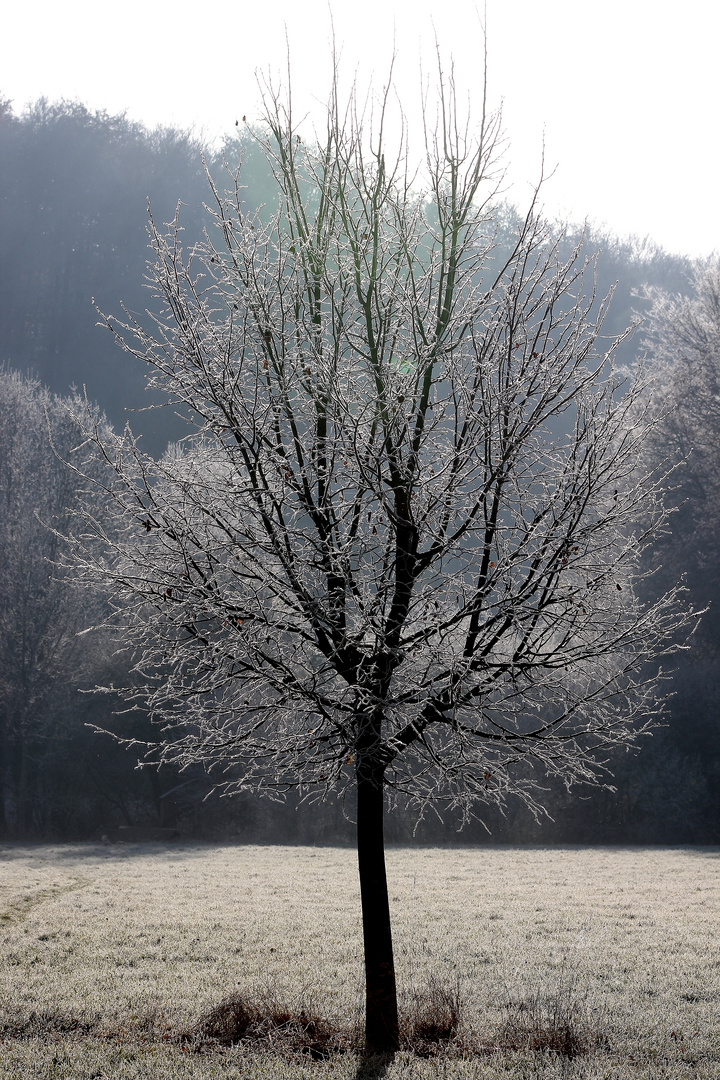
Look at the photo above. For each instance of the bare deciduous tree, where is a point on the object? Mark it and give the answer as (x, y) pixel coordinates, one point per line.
(41, 607)
(395, 553)
(684, 342)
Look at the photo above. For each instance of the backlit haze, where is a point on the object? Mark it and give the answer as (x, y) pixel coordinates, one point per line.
(624, 94)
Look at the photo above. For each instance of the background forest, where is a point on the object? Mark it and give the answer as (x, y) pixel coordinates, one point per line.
(75, 187)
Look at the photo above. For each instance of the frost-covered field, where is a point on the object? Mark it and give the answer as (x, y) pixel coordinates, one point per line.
(107, 953)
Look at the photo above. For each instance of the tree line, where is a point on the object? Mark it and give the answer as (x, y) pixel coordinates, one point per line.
(72, 229)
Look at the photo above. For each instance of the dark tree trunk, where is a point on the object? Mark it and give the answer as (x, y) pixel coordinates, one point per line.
(22, 790)
(381, 1014)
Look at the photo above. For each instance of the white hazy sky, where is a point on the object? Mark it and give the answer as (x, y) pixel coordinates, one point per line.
(624, 93)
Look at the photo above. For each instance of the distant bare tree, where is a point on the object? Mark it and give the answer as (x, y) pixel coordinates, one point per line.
(41, 607)
(396, 551)
(684, 342)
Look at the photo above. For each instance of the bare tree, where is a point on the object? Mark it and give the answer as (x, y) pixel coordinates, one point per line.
(684, 342)
(41, 607)
(396, 551)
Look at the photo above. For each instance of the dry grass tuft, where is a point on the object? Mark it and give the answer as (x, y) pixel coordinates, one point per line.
(556, 1024)
(430, 1020)
(269, 1020)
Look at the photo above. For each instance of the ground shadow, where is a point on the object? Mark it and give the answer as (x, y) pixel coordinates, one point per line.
(374, 1066)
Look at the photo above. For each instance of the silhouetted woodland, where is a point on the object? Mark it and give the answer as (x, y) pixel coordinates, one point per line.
(75, 192)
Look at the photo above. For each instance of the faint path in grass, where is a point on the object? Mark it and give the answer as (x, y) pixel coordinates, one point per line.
(18, 908)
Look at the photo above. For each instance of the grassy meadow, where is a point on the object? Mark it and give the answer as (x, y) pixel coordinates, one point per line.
(109, 955)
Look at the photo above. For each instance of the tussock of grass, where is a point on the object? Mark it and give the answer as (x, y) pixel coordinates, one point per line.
(269, 1020)
(430, 1019)
(556, 1023)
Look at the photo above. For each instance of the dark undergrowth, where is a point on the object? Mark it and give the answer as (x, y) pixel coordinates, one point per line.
(432, 1024)
(429, 1023)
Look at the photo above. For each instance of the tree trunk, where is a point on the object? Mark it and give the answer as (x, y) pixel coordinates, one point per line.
(22, 786)
(381, 1014)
